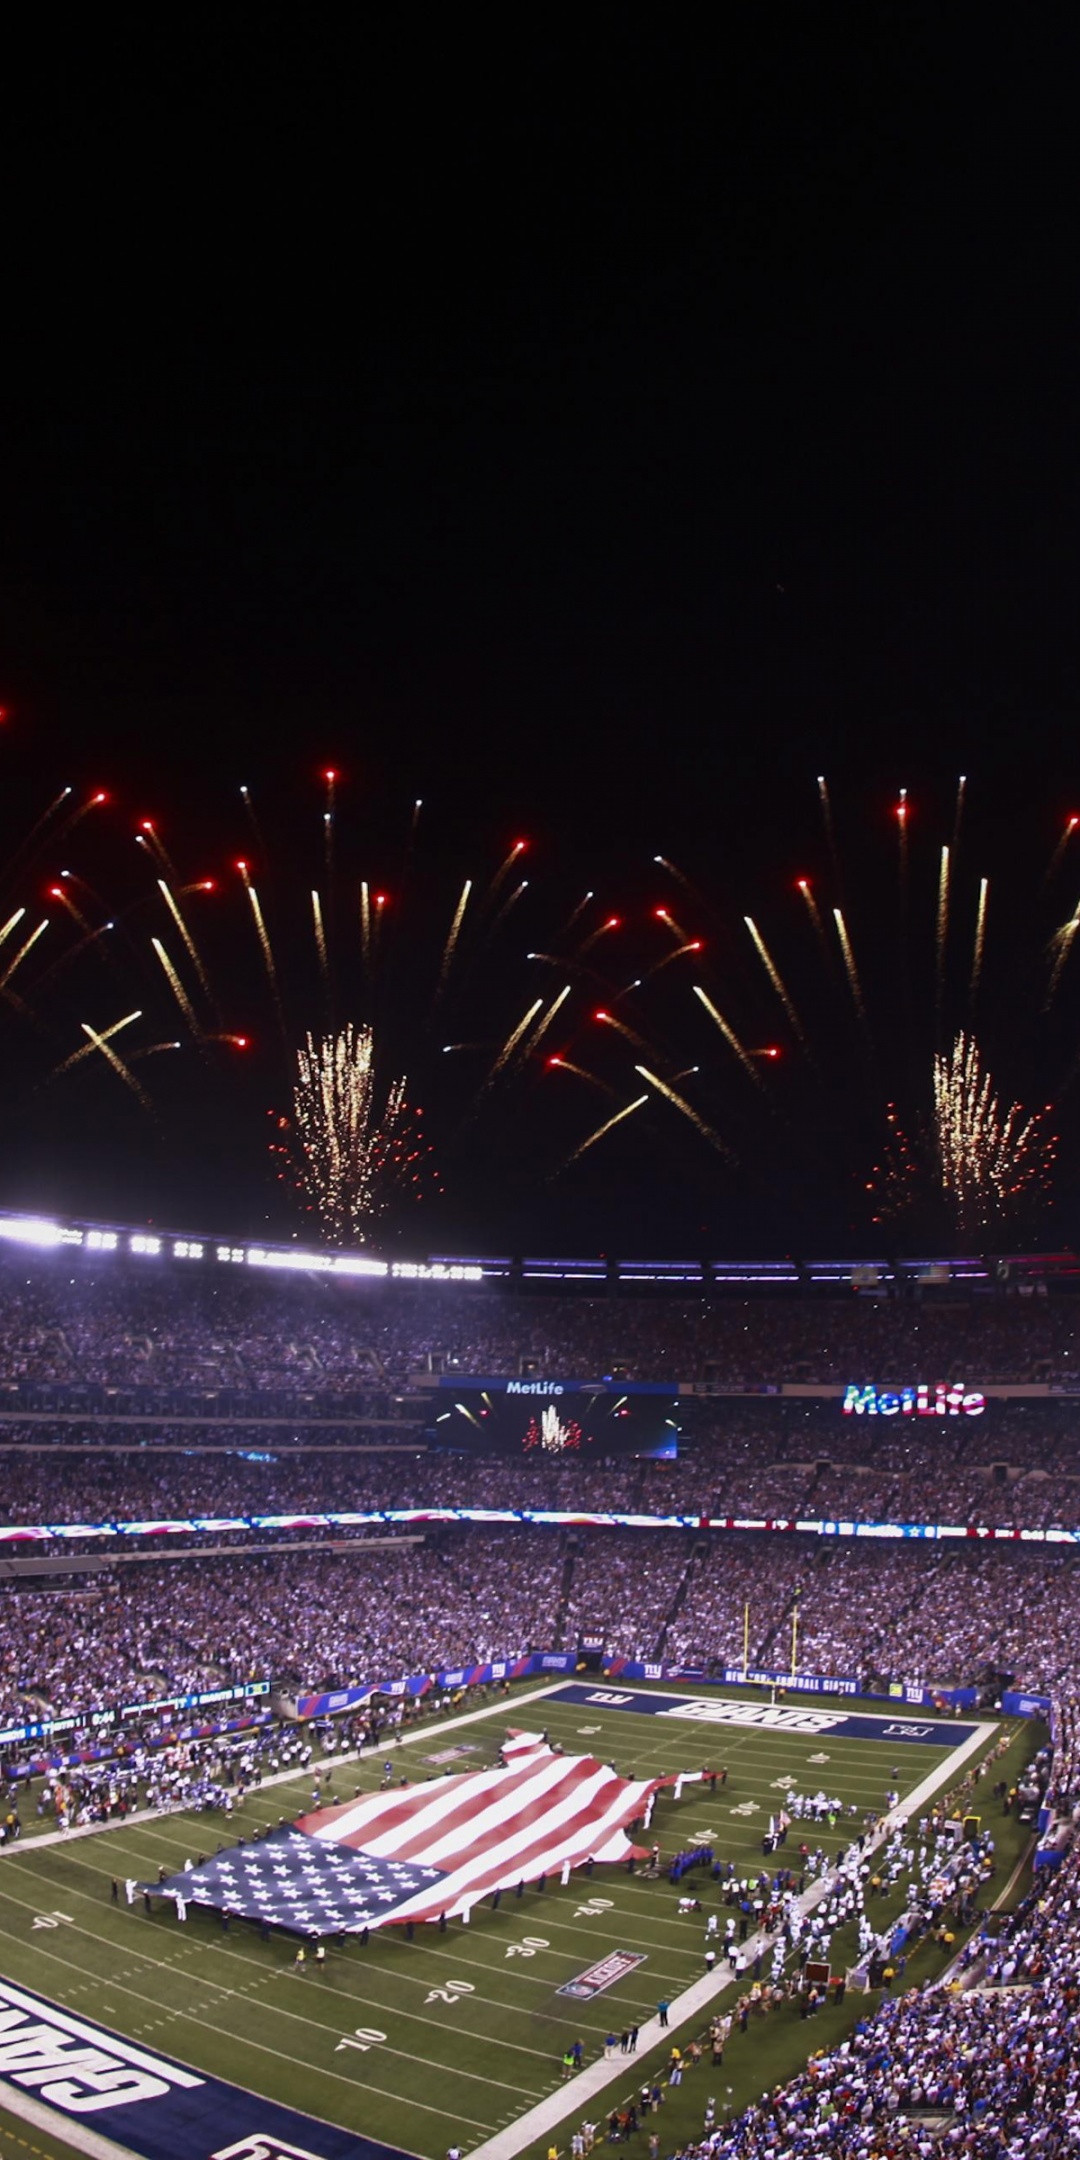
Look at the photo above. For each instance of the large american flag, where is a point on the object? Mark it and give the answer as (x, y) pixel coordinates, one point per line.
(418, 1852)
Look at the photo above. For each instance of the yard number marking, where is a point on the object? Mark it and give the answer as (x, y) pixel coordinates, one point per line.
(528, 1946)
(450, 1991)
(366, 2037)
(592, 1908)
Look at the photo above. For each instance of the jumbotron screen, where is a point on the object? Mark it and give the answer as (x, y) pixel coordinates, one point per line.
(571, 1420)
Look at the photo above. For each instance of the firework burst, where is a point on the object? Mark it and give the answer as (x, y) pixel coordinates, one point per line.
(350, 1146)
(935, 1011)
(979, 1163)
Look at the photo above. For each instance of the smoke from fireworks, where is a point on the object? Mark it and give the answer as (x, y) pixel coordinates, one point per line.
(349, 1147)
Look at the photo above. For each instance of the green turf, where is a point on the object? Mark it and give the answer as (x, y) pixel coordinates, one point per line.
(23, 2141)
(470, 2028)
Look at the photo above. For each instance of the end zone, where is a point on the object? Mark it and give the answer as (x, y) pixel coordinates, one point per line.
(771, 1717)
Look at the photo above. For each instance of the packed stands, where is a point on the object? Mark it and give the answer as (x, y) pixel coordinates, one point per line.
(78, 1321)
(155, 1394)
(128, 1396)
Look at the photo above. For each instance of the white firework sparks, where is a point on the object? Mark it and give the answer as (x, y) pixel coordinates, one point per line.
(989, 1158)
(348, 1153)
(983, 1160)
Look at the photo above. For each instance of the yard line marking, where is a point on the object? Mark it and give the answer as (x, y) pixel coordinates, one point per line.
(350, 1993)
(285, 1777)
(195, 2016)
(542, 2120)
(81, 2139)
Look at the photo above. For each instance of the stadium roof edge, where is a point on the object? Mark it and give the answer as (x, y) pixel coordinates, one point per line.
(149, 1242)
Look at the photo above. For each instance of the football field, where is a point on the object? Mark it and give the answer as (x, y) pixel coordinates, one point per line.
(455, 2038)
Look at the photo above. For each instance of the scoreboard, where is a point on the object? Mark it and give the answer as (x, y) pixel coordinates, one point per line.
(571, 1420)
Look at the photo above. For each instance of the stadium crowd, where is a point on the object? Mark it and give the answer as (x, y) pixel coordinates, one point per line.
(990, 2073)
(717, 1475)
(320, 1618)
(119, 1322)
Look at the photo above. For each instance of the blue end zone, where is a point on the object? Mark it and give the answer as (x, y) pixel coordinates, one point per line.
(711, 1710)
(152, 2106)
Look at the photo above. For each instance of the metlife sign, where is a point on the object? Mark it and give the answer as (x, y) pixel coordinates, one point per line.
(918, 1400)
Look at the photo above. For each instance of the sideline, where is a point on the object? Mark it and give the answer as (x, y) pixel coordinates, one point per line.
(76, 2134)
(282, 1777)
(578, 2092)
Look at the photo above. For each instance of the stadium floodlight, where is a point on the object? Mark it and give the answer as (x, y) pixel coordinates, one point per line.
(307, 1263)
(31, 1230)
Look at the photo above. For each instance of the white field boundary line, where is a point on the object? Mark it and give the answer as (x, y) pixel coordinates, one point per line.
(51, 2124)
(283, 1777)
(90, 2143)
(577, 2094)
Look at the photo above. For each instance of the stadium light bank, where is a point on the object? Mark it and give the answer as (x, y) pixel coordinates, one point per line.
(43, 1235)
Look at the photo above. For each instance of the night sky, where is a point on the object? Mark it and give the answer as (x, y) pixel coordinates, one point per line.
(597, 430)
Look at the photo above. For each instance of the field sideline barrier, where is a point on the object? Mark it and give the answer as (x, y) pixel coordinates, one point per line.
(528, 1665)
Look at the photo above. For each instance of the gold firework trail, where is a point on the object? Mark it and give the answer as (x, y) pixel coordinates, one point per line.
(513, 1039)
(544, 1023)
(328, 830)
(775, 978)
(942, 923)
(511, 901)
(320, 940)
(24, 949)
(177, 988)
(692, 945)
(502, 873)
(88, 1049)
(11, 924)
(672, 923)
(729, 1036)
(602, 930)
(173, 906)
(830, 831)
(849, 963)
(609, 1019)
(98, 1042)
(450, 947)
(24, 853)
(60, 893)
(680, 1103)
(561, 1064)
(365, 924)
(1054, 864)
(149, 838)
(576, 914)
(1062, 939)
(980, 940)
(263, 936)
(608, 1125)
(958, 815)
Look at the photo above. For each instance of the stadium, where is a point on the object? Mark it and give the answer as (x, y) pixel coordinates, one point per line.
(539, 1059)
(290, 1537)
